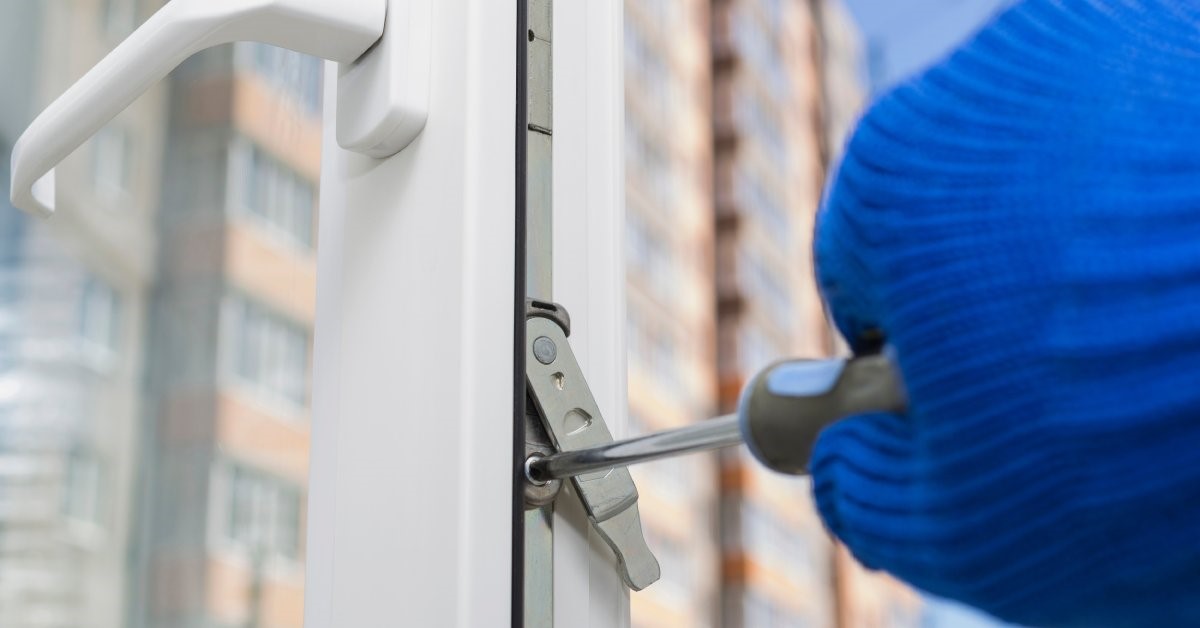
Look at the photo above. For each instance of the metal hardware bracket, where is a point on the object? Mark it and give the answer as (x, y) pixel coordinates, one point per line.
(573, 421)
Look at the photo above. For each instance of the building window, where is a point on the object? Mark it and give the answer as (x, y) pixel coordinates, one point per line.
(272, 193)
(650, 76)
(637, 424)
(119, 17)
(266, 351)
(677, 583)
(764, 287)
(296, 75)
(99, 314)
(662, 12)
(671, 478)
(755, 351)
(759, 611)
(262, 513)
(84, 481)
(8, 359)
(648, 255)
(757, 42)
(650, 164)
(764, 208)
(773, 10)
(776, 543)
(763, 126)
(112, 158)
(655, 352)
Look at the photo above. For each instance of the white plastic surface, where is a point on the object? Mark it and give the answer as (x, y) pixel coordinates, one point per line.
(410, 491)
(383, 97)
(340, 30)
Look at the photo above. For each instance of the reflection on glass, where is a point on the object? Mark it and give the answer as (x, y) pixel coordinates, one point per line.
(155, 338)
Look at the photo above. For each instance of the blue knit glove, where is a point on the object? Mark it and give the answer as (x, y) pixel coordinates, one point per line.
(1022, 223)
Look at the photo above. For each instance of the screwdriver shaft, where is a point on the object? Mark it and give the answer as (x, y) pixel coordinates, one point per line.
(722, 431)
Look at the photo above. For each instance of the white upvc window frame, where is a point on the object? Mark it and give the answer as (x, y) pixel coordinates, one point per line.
(410, 511)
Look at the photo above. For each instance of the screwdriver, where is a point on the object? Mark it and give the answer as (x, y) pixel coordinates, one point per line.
(780, 413)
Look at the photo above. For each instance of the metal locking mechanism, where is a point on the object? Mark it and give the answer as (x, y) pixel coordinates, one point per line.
(573, 421)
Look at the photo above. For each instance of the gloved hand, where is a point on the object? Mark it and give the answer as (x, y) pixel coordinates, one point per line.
(1022, 223)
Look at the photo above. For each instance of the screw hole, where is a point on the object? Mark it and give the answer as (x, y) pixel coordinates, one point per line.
(533, 474)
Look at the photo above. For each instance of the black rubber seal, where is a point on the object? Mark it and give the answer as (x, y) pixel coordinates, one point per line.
(518, 391)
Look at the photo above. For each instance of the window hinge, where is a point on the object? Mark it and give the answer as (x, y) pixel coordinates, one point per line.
(571, 419)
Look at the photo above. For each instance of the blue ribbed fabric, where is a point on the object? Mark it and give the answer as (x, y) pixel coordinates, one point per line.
(1022, 221)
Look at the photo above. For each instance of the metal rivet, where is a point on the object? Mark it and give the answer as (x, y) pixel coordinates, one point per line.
(545, 350)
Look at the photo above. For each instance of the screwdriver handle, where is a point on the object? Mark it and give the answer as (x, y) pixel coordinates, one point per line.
(785, 406)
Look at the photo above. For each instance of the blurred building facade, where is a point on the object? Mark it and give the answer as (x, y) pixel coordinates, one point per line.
(230, 357)
(73, 303)
(154, 344)
(734, 223)
(769, 133)
(671, 323)
(155, 338)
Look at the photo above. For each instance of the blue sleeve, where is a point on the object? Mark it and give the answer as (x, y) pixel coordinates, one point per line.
(1022, 222)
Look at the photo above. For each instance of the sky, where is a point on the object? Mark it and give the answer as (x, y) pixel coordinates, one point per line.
(903, 37)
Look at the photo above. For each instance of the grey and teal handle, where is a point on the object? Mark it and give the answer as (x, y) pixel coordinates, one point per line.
(785, 406)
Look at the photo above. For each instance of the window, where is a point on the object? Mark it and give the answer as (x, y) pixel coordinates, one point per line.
(675, 562)
(120, 17)
(299, 75)
(10, 310)
(272, 193)
(263, 513)
(112, 156)
(763, 125)
(662, 11)
(773, 9)
(13, 224)
(758, 43)
(672, 478)
(764, 286)
(763, 206)
(758, 611)
(99, 314)
(775, 543)
(655, 352)
(265, 350)
(654, 170)
(755, 350)
(652, 80)
(648, 255)
(84, 481)
(637, 424)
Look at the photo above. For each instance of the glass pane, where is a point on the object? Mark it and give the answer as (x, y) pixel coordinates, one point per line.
(155, 338)
(734, 113)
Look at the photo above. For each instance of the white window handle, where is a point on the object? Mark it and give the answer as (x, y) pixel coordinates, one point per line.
(339, 30)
